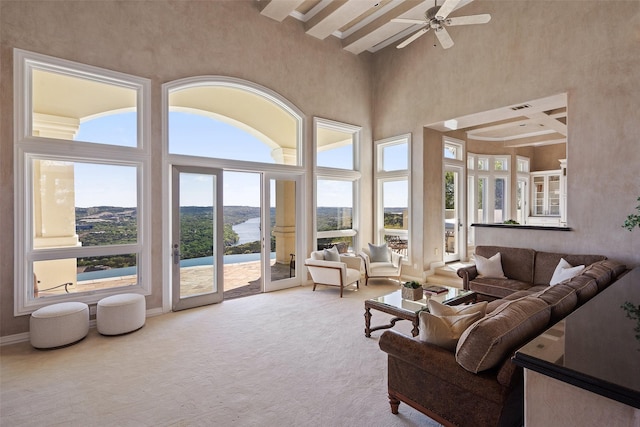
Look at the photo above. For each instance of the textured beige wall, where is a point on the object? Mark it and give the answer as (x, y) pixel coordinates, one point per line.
(551, 402)
(529, 50)
(546, 158)
(169, 40)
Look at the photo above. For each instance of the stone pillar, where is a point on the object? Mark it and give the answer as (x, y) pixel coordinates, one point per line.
(285, 227)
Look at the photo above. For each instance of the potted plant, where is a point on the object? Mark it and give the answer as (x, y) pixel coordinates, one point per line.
(633, 220)
(412, 291)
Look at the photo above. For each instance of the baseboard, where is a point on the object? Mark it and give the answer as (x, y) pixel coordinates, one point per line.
(14, 339)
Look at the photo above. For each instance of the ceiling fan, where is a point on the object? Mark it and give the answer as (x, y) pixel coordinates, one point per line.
(437, 18)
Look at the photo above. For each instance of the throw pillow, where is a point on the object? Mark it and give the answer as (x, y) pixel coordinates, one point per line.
(445, 331)
(379, 253)
(331, 254)
(564, 271)
(490, 267)
(438, 309)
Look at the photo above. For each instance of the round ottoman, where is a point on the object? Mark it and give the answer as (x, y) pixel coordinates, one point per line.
(59, 324)
(120, 314)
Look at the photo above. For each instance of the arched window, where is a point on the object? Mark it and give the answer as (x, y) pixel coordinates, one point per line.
(232, 119)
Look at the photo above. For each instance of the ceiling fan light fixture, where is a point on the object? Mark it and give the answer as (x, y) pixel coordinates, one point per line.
(436, 18)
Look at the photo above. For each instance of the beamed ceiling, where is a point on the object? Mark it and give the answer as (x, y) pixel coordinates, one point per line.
(365, 26)
(361, 25)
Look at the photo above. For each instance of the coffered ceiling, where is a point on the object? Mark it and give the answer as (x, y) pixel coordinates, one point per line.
(361, 25)
(533, 123)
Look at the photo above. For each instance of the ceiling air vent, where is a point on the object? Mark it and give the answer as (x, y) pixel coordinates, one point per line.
(520, 107)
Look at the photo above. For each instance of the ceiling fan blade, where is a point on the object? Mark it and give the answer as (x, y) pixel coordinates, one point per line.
(468, 20)
(446, 8)
(413, 37)
(444, 38)
(409, 21)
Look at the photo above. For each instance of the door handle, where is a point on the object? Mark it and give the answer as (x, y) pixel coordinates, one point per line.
(176, 254)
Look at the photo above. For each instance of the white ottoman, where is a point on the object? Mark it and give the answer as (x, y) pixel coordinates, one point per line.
(119, 314)
(59, 324)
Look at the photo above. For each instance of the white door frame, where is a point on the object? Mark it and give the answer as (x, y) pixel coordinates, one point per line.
(217, 293)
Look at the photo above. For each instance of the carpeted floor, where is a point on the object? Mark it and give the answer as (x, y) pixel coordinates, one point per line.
(287, 358)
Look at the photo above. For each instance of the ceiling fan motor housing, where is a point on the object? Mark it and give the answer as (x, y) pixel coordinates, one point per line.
(431, 13)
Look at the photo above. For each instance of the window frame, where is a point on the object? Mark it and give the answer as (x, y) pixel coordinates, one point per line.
(335, 174)
(382, 176)
(489, 175)
(28, 147)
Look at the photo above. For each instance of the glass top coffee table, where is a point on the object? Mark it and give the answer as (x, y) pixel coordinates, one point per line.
(404, 309)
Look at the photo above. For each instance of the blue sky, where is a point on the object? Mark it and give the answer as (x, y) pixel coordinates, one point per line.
(195, 135)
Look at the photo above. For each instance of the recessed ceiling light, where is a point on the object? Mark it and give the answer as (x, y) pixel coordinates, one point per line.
(451, 124)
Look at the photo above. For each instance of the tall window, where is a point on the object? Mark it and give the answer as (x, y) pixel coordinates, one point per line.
(392, 177)
(82, 169)
(337, 180)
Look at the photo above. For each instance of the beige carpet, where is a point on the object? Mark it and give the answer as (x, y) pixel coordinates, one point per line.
(287, 358)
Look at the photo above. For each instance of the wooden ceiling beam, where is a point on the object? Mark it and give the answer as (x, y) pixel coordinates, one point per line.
(278, 9)
(336, 15)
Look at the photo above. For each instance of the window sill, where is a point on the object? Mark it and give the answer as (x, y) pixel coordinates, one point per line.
(524, 227)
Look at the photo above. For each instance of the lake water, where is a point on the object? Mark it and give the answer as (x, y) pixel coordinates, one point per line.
(248, 231)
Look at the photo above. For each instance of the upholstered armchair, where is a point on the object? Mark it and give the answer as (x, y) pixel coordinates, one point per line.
(328, 267)
(380, 261)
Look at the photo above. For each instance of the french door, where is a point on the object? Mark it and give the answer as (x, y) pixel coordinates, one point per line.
(281, 236)
(197, 230)
(453, 213)
(200, 272)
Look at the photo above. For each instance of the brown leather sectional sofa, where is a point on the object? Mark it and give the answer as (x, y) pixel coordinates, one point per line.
(478, 385)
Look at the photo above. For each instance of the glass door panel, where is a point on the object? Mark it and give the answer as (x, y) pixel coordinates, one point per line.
(554, 195)
(500, 205)
(244, 240)
(196, 226)
(538, 195)
(452, 213)
(281, 233)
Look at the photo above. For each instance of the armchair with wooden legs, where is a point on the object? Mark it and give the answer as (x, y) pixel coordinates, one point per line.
(325, 270)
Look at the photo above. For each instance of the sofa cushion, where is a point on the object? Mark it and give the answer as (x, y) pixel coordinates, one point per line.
(379, 253)
(492, 305)
(564, 271)
(490, 267)
(616, 268)
(489, 340)
(444, 331)
(517, 263)
(562, 300)
(440, 309)
(498, 288)
(602, 274)
(585, 286)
